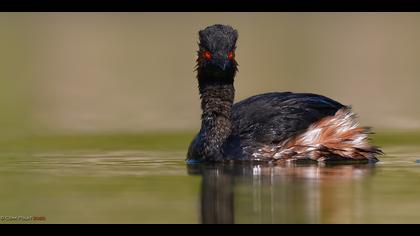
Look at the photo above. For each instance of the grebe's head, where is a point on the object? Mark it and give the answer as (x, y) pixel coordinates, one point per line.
(216, 54)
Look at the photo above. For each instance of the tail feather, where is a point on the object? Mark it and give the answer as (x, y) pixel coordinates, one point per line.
(337, 137)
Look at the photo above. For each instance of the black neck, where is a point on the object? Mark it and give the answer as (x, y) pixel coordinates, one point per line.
(217, 96)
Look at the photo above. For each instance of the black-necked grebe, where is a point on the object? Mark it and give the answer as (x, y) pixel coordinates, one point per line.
(267, 127)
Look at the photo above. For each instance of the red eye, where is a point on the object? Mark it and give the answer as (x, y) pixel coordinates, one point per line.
(231, 55)
(207, 55)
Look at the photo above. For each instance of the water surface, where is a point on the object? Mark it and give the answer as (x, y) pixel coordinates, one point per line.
(112, 184)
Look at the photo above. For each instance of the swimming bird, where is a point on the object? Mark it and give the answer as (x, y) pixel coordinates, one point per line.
(270, 127)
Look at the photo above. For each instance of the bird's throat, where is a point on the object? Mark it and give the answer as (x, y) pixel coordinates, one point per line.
(216, 103)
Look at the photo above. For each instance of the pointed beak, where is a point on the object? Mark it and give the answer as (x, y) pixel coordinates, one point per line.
(222, 63)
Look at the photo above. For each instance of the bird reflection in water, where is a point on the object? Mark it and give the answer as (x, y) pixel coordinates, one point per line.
(283, 193)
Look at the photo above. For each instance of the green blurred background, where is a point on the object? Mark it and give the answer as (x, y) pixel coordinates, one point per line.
(102, 73)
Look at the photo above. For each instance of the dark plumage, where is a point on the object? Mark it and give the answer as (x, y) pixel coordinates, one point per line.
(266, 127)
